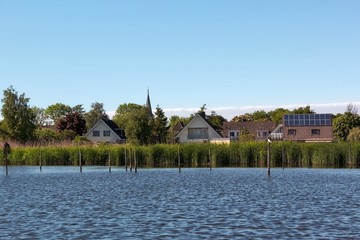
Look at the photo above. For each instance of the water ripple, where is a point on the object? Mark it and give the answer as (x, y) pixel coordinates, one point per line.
(60, 203)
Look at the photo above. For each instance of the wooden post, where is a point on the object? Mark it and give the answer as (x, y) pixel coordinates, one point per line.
(6, 151)
(283, 157)
(40, 161)
(130, 156)
(268, 157)
(80, 161)
(109, 161)
(350, 157)
(135, 161)
(125, 161)
(210, 159)
(179, 164)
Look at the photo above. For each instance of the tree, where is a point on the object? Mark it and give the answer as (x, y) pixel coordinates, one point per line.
(246, 136)
(277, 114)
(260, 116)
(73, 122)
(344, 123)
(247, 117)
(216, 121)
(96, 113)
(79, 109)
(303, 110)
(136, 121)
(159, 126)
(354, 135)
(19, 119)
(46, 135)
(40, 117)
(57, 110)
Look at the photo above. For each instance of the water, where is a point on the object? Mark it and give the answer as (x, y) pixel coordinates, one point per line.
(61, 203)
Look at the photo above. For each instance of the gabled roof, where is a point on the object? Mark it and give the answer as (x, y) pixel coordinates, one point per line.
(111, 124)
(178, 127)
(250, 126)
(199, 116)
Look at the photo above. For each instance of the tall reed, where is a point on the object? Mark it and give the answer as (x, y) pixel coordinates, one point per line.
(249, 154)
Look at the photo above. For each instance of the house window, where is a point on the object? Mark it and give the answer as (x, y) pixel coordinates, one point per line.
(106, 133)
(232, 134)
(198, 133)
(291, 131)
(96, 133)
(262, 133)
(315, 131)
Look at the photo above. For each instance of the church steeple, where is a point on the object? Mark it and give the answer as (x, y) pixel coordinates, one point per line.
(148, 104)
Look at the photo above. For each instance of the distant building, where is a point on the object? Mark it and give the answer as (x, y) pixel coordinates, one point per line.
(307, 127)
(197, 130)
(259, 130)
(106, 130)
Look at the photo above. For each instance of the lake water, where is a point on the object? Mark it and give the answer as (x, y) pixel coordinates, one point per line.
(225, 203)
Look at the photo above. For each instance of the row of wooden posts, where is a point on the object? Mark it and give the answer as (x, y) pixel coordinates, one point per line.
(132, 164)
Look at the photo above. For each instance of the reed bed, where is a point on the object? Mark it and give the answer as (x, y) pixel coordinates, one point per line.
(249, 154)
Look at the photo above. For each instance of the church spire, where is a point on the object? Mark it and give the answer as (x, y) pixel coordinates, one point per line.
(148, 104)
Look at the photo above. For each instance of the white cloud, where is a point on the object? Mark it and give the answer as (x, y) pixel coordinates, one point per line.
(230, 112)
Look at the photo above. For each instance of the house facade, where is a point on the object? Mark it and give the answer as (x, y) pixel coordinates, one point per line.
(197, 130)
(258, 130)
(308, 127)
(106, 130)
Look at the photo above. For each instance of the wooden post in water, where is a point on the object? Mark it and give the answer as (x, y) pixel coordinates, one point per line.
(130, 158)
(283, 157)
(40, 160)
(350, 157)
(268, 157)
(6, 151)
(109, 161)
(80, 161)
(125, 161)
(179, 163)
(210, 159)
(135, 161)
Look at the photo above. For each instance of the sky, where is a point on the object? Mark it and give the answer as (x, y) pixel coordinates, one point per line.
(235, 56)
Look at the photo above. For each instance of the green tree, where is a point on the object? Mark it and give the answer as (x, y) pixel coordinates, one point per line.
(19, 119)
(57, 110)
(303, 110)
(354, 135)
(46, 135)
(344, 123)
(136, 122)
(40, 117)
(216, 121)
(247, 117)
(277, 114)
(96, 113)
(79, 109)
(159, 126)
(260, 116)
(246, 136)
(72, 122)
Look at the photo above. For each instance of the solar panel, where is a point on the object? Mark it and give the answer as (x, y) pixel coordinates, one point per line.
(307, 120)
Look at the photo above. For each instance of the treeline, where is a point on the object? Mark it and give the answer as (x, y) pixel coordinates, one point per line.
(249, 154)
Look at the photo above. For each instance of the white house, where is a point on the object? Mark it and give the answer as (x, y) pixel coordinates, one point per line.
(106, 130)
(197, 130)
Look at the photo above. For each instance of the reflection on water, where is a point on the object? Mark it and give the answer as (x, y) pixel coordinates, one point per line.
(61, 203)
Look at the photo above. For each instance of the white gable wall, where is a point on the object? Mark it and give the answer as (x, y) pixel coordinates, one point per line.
(197, 122)
(101, 127)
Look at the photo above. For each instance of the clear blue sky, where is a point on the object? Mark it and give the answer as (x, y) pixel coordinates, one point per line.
(227, 54)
